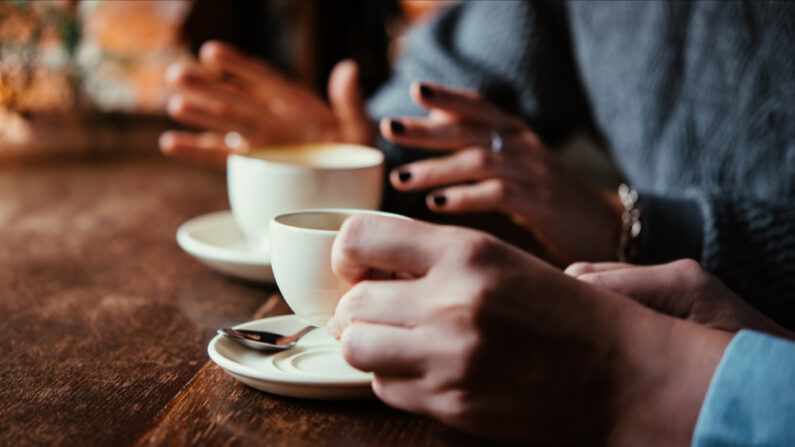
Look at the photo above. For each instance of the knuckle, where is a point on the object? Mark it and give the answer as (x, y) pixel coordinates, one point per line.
(594, 278)
(451, 407)
(214, 52)
(578, 269)
(351, 303)
(177, 75)
(380, 389)
(349, 239)
(467, 346)
(477, 247)
(481, 160)
(502, 190)
(222, 109)
(476, 303)
(401, 394)
(530, 139)
(176, 106)
(688, 268)
(384, 391)
(352, 350)
(694, 276)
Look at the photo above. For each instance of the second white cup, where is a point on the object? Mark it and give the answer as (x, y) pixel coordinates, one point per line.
(267, 182)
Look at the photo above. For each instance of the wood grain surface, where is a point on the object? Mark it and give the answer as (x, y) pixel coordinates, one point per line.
(217, 410)
(104, 321)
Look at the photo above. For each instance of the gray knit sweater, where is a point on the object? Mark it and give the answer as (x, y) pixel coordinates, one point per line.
(694, 101)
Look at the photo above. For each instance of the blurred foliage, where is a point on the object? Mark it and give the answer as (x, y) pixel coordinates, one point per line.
(38, 43)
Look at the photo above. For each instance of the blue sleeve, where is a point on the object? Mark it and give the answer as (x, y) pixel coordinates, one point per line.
(751, 400)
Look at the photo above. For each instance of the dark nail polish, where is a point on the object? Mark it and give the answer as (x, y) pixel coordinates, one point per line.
(425, 91)
(397, 127)
(404, 176)
(439, 200)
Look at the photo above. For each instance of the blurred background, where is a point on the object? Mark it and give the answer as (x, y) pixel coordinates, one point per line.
(87, 75)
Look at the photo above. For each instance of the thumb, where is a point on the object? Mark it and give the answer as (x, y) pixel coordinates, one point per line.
(347, 104)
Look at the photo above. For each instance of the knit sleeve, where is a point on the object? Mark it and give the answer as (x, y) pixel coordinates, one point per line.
(517, 54)
(748, 243)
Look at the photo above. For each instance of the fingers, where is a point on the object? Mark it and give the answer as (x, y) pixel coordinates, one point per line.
(434, 134)
(196, 81)
(381, 302)
(209, 103)
(368, 241)
(465, 104)
(638, 283)
(488, 195)
(207, 148)
(662, 287)
(348, 105)
(581, 268)
(673, 289)
(466, 165)
(400, 392)
(225, 59)
(385, 350)
(197, 113)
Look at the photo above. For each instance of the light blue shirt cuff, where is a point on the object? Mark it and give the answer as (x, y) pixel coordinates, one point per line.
(751, 400)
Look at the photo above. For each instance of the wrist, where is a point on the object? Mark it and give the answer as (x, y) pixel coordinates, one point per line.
(668, 367)
(614, 227)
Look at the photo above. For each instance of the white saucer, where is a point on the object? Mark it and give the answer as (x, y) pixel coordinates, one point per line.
(314, 369)
(215, 240)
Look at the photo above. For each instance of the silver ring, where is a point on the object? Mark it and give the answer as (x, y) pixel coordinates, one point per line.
(496, 142)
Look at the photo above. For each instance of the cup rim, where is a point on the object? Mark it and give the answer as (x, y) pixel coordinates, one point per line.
(351, 211)
(306, 167)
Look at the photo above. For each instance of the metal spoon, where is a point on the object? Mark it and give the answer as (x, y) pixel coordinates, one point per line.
(264, 341)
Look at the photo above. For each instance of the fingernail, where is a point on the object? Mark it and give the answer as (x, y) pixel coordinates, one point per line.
(397, 127)
(439, 200)
(425, 91)
(404, 176)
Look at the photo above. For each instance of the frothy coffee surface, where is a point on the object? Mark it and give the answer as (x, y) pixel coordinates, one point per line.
(322, 155)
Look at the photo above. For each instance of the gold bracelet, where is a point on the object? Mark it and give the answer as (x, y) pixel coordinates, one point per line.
(631, 224)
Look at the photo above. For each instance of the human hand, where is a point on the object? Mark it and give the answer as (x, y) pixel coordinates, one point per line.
(572, 219)
(682, 289)
(492, 340)
(228, 91)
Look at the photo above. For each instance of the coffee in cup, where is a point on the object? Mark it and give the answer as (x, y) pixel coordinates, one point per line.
(266, 182)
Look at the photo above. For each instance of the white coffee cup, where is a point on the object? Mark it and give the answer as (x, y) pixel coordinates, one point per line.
(272, 181)
(300, 245)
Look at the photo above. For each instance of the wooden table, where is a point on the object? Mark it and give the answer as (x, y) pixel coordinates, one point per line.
(104, 321)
